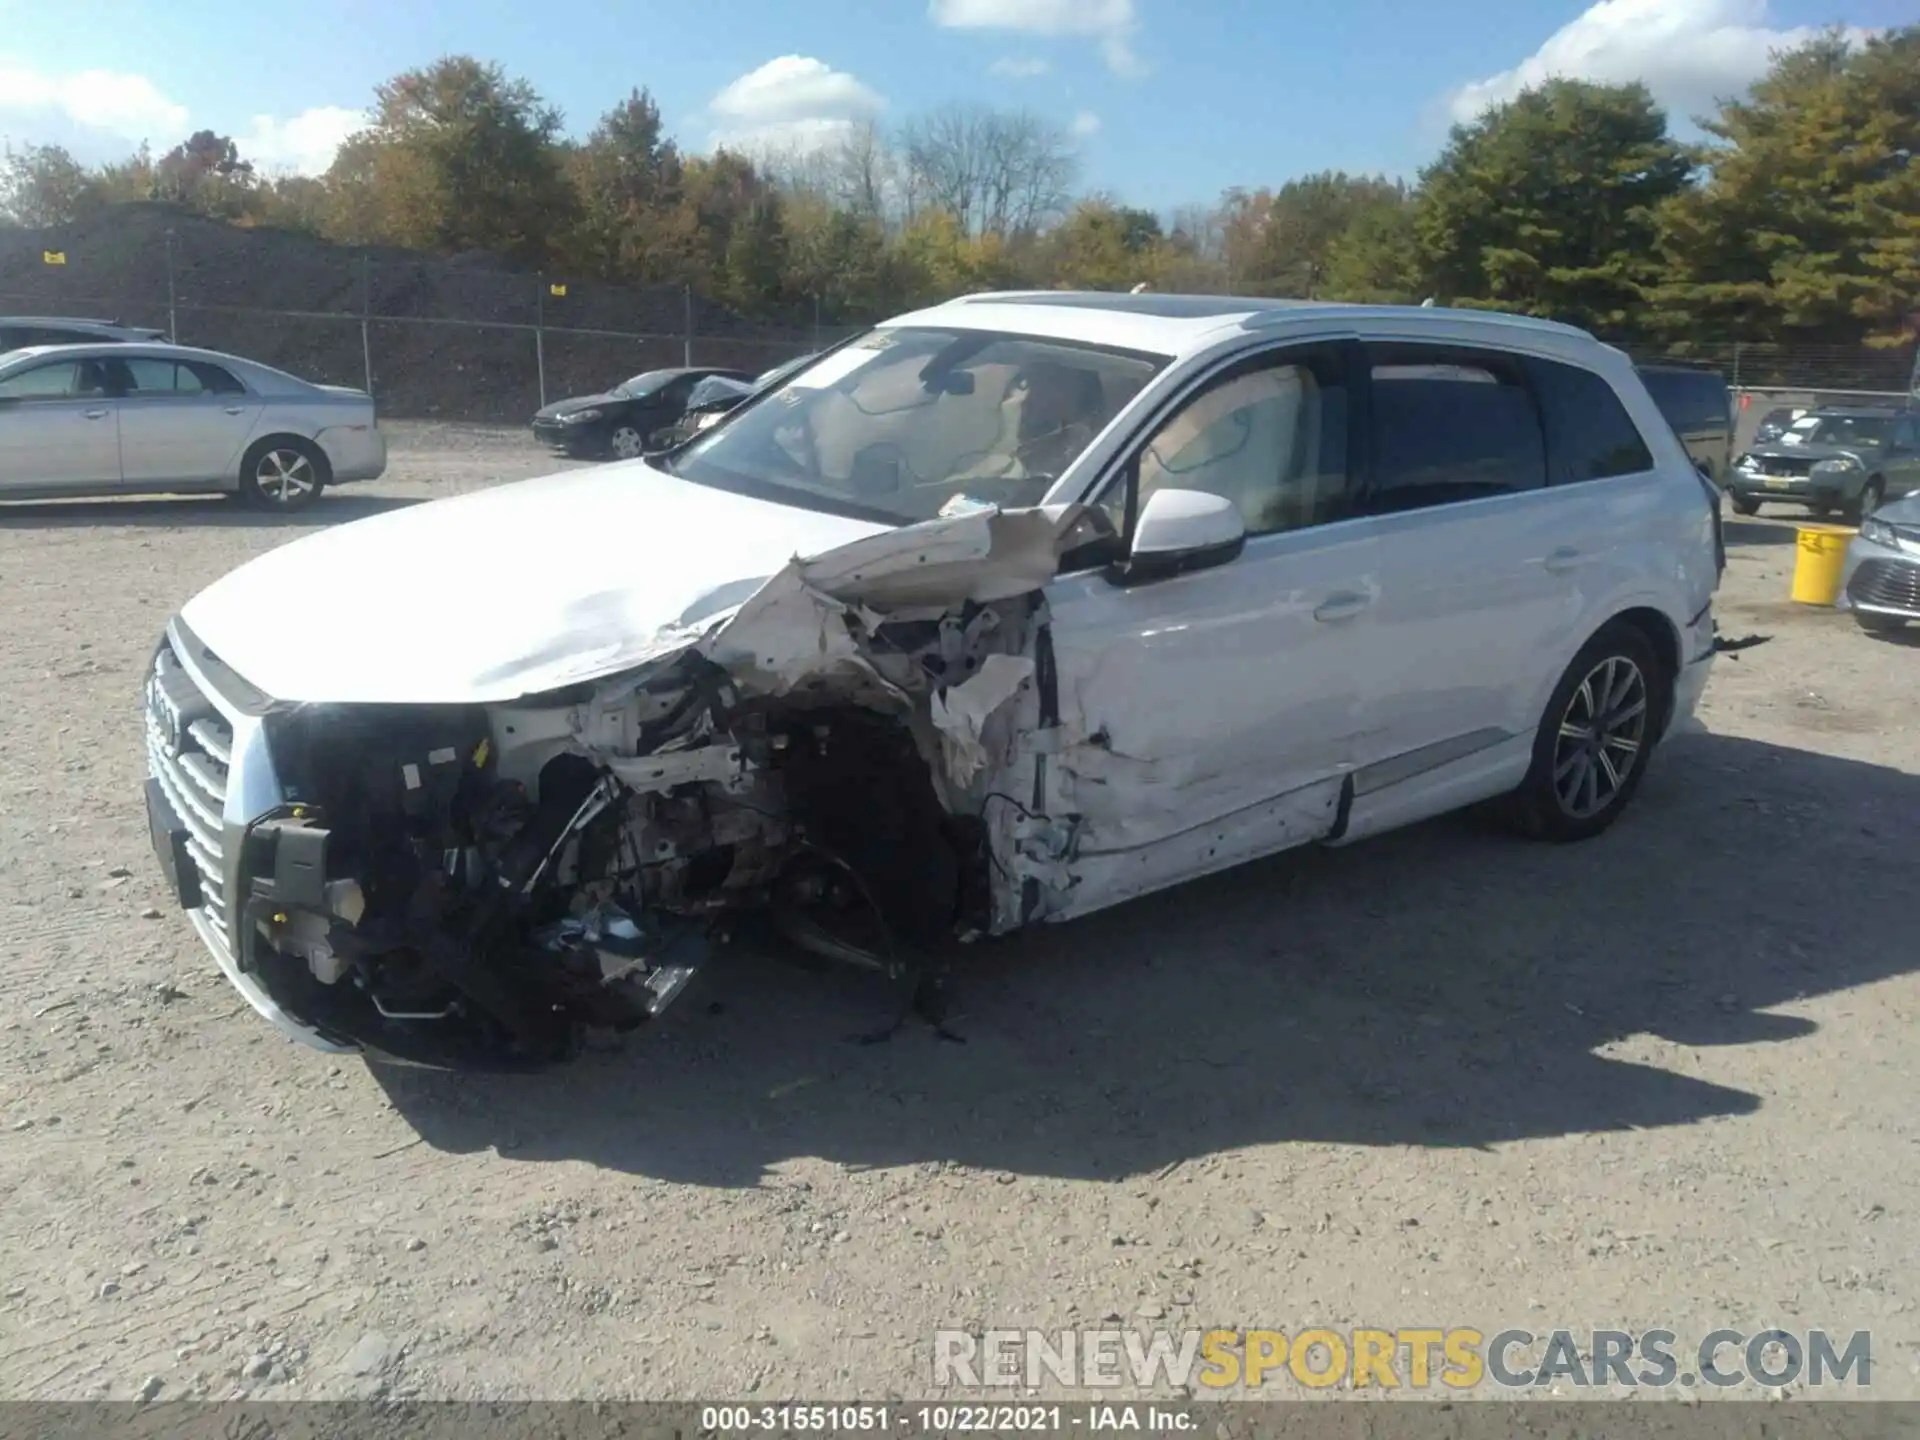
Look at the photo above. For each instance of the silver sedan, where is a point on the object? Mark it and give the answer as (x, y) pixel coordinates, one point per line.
(80, 420)
(1881, 583)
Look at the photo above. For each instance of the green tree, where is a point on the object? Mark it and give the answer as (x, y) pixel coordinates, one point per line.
(1546, 204)
(43, 185)
(1808, 224)
(626, 174)
(1102, 245)
(1282, 241)
(1376, 260)
(939, 260)
(458, 157)
(839, 259)
(205, 173)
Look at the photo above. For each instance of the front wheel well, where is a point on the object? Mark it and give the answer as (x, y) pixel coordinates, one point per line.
(310, 448)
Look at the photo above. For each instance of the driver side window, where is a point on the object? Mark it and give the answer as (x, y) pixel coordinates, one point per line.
(1269, 435)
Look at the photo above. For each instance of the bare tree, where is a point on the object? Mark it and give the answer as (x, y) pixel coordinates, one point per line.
(864, 171)
(856, 171)
(996, 172)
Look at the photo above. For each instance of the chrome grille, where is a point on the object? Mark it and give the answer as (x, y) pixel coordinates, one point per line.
(1786, 465)
(189, 750)
(1886, 584)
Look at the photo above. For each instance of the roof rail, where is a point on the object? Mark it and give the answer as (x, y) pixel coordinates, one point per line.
(1275, 312)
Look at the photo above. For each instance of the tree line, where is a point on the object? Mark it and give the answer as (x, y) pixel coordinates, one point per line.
(1797, 219)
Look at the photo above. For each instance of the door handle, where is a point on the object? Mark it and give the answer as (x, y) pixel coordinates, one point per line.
(1564, 559)
(1341, 607)
(96, 414)
(235, 409)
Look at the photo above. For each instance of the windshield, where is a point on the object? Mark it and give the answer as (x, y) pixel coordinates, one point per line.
(907, 424)
(644, 384)
(781, 372)
(1837, 430)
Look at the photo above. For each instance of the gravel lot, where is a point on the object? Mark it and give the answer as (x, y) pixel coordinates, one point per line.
(1445, 1078)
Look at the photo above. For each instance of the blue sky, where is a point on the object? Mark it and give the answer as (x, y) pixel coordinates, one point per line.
(1171, 100)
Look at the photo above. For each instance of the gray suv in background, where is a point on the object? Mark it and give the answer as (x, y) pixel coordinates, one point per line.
(18, 332)
(1699, 407)
(1845, 459)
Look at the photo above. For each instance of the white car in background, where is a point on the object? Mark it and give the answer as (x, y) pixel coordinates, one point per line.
(1003, 613)
(144, 419)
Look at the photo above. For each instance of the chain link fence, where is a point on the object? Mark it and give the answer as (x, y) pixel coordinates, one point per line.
(1858, 369)
(467, 339)
(428, 338)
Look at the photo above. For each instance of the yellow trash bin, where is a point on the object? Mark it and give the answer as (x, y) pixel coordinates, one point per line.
(1822, 556)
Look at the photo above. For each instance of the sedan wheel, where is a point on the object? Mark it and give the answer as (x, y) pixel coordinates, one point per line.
(283, 475)
(1596, 737)
(626, 443)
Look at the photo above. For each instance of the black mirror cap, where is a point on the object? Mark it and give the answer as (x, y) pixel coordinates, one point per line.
(1164, 565)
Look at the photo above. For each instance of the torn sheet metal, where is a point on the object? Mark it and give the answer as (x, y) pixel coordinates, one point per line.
(665, 770)
(789, 633)
(960, 712)
(979, 556)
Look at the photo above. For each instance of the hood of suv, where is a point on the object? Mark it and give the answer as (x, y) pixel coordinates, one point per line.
(1814, 454)
(502, 593)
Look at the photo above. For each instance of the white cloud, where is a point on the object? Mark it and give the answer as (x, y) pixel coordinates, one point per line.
(1111, 22)
(1689, 53)
(794, 102)
(1019, 67)
(1086, 124)
(303, 145)
(101, 115)
(87, 109)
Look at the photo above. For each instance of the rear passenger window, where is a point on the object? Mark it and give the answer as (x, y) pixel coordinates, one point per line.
(1451, 426)
(1590, 436)
(159, 377)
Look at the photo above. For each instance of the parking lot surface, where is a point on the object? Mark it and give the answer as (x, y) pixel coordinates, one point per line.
(1665, 1079)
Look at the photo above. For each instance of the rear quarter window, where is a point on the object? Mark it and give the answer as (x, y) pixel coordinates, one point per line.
(1590, 435)
(213, 379)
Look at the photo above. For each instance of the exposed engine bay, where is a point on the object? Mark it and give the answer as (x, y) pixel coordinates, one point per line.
(483, 884)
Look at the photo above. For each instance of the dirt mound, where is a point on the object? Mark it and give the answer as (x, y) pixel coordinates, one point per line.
(451, 337)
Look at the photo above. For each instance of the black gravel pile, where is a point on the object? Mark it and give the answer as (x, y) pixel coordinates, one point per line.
(295, 302)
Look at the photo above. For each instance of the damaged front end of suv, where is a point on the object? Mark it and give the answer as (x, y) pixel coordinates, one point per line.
(481, 884)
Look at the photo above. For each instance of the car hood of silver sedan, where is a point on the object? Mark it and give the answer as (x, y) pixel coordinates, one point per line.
(505, 592)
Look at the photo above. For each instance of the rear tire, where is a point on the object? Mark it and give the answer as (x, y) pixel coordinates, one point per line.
(283, 474)
(1743, 506)
(1595, 739)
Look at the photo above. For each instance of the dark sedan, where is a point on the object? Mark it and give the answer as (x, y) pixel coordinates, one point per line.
(622, 422)
(1848, 460)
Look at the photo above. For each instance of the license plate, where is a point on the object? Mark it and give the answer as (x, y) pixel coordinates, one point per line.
(1779, 484)
(170, 847)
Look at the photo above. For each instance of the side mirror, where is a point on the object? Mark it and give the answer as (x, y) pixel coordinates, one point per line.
(1180, 531)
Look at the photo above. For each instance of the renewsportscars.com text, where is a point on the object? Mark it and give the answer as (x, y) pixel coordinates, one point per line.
(1415, 1358)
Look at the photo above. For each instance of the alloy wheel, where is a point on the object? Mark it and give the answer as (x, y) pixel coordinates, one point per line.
(627, 443)
(1602, 736)
(285, 477)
